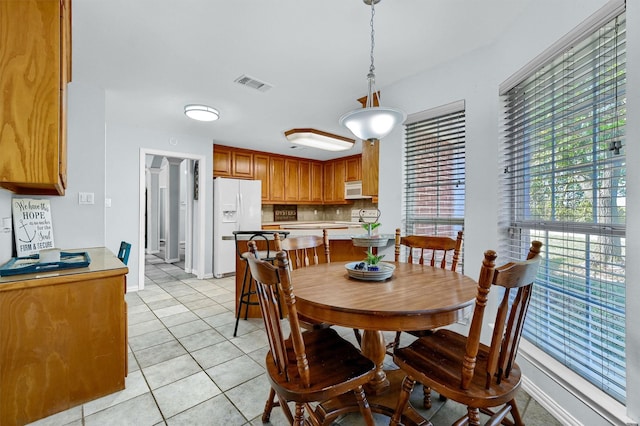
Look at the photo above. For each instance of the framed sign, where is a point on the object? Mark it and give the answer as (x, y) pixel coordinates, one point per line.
(285, 213)
(32, 225)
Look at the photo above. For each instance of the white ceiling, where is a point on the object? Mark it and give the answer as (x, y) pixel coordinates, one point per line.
(155, 56)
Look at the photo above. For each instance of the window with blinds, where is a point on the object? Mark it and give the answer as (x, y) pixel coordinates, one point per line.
(564, 184)
(435, 172)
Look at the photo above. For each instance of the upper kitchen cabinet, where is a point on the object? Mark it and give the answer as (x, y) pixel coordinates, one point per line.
(222, 157)
(304, 181)
(286, 179)
(370, 165)
(277, 178)
(35, 67)
(334, 178)
(291, 180)
(261, 173)
(317, 180)
(242, 164)
(353, 168)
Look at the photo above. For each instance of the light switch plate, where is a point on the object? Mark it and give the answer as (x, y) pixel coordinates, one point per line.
(85, 198)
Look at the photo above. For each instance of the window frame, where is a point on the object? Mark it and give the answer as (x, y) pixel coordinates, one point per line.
(514, 227)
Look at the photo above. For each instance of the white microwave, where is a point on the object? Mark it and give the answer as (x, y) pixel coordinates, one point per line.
(353, 190)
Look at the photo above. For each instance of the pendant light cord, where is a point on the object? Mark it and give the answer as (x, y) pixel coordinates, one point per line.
(371, 77)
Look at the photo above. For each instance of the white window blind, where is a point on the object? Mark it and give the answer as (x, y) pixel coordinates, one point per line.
(564, 184)
(435, 175)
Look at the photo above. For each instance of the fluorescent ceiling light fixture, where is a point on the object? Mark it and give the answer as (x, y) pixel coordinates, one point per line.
(318, 139)
(201, 113)
(372, 122)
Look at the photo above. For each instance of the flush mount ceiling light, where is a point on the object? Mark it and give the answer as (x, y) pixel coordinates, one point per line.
(372, 122)
(317, 139)
(201, 113)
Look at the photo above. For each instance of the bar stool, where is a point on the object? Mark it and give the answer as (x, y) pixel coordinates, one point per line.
(248, 286)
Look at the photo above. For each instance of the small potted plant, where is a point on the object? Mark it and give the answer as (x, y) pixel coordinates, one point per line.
(372, 261)
(369, 227)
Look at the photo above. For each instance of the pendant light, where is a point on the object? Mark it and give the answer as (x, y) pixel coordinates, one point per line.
(372, 122)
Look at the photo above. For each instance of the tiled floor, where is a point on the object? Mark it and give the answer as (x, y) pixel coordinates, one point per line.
(186, 368)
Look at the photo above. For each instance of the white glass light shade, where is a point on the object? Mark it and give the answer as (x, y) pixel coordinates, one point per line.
(201, 113)
(317, 139)
(372, 122)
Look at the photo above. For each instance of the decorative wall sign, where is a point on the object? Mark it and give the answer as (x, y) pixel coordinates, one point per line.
(32, 225)
(285, 213)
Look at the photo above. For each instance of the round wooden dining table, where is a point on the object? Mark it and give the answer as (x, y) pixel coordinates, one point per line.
(415, 297)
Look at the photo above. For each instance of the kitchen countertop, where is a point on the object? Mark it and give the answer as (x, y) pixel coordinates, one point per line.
(314, 225)
(336, 230)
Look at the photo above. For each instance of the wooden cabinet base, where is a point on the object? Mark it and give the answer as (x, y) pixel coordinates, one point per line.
(62, 340)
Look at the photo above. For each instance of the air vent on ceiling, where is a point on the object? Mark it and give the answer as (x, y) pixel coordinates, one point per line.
(253, 83)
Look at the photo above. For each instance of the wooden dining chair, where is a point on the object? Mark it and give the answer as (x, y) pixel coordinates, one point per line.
(434, 250)
(305, 367)
(464, 370)
(438, 251)
(302, 250)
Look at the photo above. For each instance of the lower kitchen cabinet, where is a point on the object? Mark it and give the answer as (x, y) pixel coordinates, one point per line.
(63, 338)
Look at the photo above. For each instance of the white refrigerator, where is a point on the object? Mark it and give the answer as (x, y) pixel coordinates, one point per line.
(237, 206)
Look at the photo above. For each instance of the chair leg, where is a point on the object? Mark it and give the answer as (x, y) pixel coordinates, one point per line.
(403, 401)
(426, 399)
(299, 417)
(474, 416)
(242, 301)
(356, 332)
(365, 409)
(515, 413)
(266, 413)
(285, 407)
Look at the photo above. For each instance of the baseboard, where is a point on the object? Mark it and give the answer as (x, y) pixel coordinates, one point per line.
(549, 404)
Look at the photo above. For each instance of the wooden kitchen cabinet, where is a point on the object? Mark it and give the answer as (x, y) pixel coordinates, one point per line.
(339, 176)
(64, 338)
(353, 168)
(291, 180)
(288, 180)
(242, 165)
(277, 179)
(35, 67)
(261, 173)
(370, 165)
(317, 182)
(304, 181)
(328, 168)
(222, 157)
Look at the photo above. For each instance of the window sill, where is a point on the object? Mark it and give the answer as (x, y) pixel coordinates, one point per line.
(600, 403)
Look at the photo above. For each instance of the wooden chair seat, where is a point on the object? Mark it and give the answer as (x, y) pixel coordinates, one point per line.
(335, 367)
(464, 370)
(437, 358)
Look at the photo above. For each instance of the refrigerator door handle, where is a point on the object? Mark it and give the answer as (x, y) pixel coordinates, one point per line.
(240, 210)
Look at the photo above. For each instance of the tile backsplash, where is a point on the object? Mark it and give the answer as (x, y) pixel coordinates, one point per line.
(309, 213)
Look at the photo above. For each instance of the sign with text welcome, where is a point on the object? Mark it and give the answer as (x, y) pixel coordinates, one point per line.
(32, 225)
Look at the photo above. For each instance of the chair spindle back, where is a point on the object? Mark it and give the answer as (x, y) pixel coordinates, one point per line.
(438, 246)
(513, 276)
(270, 279)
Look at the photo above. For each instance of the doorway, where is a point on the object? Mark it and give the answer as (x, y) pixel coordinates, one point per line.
(177, 211)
